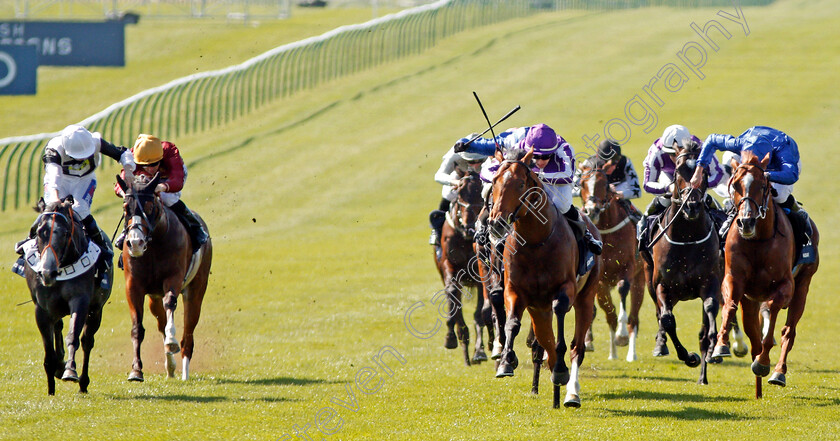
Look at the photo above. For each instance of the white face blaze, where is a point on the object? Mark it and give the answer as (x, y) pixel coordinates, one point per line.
(135, 239)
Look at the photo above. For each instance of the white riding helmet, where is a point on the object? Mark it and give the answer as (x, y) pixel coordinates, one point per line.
(472, 157)
(677, 133)
(77, 142)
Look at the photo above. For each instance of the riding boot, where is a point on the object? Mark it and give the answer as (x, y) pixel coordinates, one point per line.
(436, 219)
(106, 257)
(198, 236)
(579, 227)
(802, 231)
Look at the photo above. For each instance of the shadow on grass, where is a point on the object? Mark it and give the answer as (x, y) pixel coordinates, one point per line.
(277, 381)
(664, 396)
(686, 414)
(204, 399)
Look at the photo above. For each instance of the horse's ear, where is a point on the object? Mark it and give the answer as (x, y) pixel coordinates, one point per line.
(40, 206)
(528, 156)
(499, 156)
(733, 163)
(765, 161)
(122, 184)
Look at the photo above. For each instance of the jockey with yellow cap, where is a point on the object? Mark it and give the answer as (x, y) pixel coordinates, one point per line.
(70, 162)
(154, 156)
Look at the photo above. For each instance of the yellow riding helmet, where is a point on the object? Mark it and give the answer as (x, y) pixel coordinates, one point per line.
(147, 150)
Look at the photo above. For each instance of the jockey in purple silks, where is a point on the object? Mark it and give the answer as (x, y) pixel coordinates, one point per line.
(554, 164)
(659, 176)
(782, 172)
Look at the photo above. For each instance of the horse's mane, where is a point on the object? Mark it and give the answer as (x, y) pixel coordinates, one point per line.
(749, 157)
(691, 147)
(594, 162)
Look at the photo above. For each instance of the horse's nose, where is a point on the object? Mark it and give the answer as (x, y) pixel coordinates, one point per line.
(746, 224)
(48, 277)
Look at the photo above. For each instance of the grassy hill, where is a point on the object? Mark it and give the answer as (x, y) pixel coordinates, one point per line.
(317, 207)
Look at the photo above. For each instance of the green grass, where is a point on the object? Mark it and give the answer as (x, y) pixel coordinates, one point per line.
(317, 207)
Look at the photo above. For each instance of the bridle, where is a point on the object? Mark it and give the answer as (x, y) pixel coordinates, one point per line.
(765, 194)
(145, 223)
(70, 243)
(601, 205)
(457, 209)
(530, 179)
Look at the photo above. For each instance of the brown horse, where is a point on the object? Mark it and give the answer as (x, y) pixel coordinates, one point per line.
(61, 248)
(540, 262)
(622, 267)
(760, 254)
(457, 267)
(159, 261)
(686, 263)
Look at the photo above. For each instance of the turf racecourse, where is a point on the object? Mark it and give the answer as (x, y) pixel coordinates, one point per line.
(317, 207)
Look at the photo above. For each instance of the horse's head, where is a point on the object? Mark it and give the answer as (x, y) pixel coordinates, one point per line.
(516, 190)
(55, 232)
(594, 189)
(750, 191)
(469, 202)
(143, 211)
(685, 163)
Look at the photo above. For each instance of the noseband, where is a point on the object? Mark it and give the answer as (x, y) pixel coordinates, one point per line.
(49, 245)
(461, 206)
(602, 205)
(765, 195)
(145, 220)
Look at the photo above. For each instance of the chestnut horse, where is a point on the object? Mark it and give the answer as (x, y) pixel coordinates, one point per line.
(63, 248)
(622, 267)
(157, 257)
(540, 263)
(686, 262)
(457, 267)
(760, 254)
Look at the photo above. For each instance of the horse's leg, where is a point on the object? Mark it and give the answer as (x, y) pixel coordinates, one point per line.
(732, 291)
(135, 309)
(487, 307)
(78, 316)
(637, 296)
(622, 334)
(58, 340)
(47, 329)
(739, 345)
(668, 323)
(606, 303)
(461, 328)
(509, 361)
(193, 298)
(157, 310)
(708, 332)
(749, 321)
(584, 302)
(795, 310)
(497, 305)
(94, 319)
(660, 348)
(589, 340)
(170, 302)
(478, 318)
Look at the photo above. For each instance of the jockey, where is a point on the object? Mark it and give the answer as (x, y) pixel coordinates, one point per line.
(70, 161)
(554, 164)
(621, 176)
(782, 172)
(453, 167)
(155, 156)
(659, 175)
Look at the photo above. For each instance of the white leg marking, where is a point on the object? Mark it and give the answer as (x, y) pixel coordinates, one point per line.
(631, 350)
(613, 350)
(185, 373)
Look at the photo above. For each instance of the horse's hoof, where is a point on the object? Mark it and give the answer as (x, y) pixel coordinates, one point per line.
(479, 356)
(661, 350)
(172, 348)
(497, 351)
(451, 341)
(693, 360)
(714, 360)
(590, 347)
(622, 340)
(740, 350)
(560, 378)
(760, 370)
(135, 375)
(70, 375)
(572, 400)
(505, 370)
(722, 351)
(778, 379)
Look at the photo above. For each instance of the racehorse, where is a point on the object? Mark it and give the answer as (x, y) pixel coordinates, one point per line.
(760, 254)
(457, 267)
(540, 262)
(622, 267)
(158, 259)
(60, 249)
(686, 262)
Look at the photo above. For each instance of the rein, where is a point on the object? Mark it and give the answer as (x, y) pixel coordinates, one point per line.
(52, 230)
(515, 215)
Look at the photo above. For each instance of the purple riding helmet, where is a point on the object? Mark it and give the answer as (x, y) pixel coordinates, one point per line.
(542, 138)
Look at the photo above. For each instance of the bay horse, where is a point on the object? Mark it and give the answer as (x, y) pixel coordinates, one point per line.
(622, 267)
(759, 267)
(685, 262)
(457, 265)
(157, 256)
(540, 263)
(60, 249)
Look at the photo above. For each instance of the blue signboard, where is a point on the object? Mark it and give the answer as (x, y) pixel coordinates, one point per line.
(63, 43)
(18, 70)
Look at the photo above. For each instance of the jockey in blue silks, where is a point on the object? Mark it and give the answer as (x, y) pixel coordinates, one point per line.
(554, 165)
(782, 172)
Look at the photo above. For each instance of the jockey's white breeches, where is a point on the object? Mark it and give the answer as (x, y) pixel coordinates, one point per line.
(169, 199)
(448, 192)
(561, 196)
